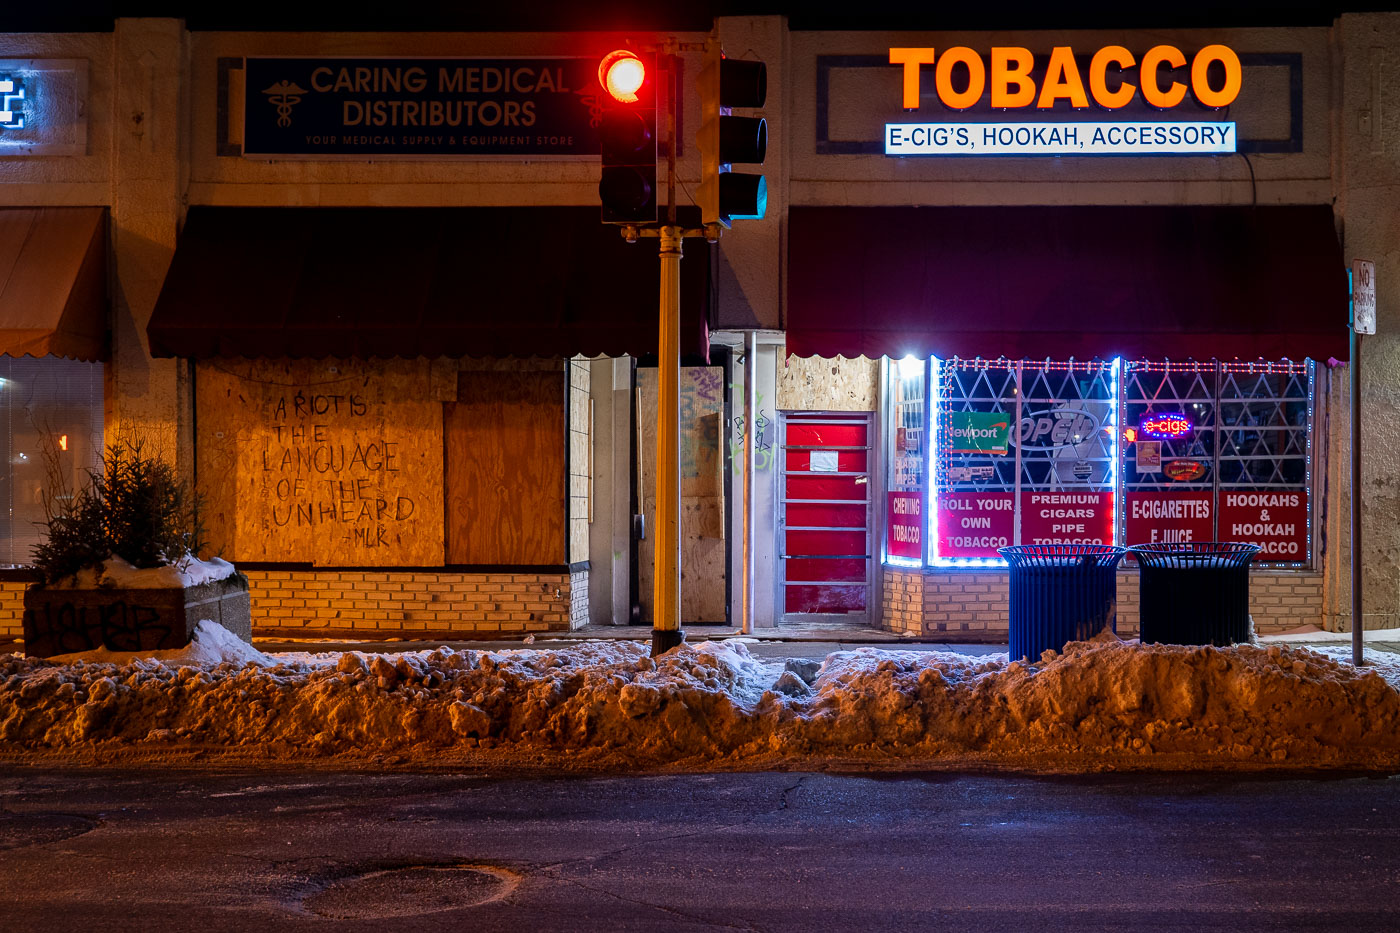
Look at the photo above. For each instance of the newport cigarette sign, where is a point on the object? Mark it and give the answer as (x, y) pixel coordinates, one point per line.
(977, 432)
(1014, 80)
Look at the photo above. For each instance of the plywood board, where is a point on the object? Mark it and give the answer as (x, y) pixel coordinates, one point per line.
(506, 479)
(820, 384)
(701, 402)
(328, 462)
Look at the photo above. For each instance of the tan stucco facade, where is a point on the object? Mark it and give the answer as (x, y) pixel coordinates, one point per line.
(151, 112)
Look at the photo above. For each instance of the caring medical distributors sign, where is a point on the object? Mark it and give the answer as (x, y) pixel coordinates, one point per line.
(420, 107)
(1162, 78)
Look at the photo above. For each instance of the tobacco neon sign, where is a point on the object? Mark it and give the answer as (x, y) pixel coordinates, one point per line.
(1013, 87)
(11, 100)
(1170, 426)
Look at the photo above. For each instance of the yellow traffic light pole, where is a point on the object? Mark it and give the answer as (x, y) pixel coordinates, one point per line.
(666, 577)
(666, 550)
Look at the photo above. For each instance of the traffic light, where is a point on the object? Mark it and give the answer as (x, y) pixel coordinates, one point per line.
(627, 138)
(723, 139)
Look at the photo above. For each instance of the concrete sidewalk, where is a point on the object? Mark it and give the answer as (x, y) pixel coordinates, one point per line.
(801, 640)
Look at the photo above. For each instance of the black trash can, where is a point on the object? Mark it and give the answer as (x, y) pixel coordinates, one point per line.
(1060, 593)
(1194, 593)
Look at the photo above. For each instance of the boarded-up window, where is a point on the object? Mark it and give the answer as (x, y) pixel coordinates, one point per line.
(331, 462)
(505, 471)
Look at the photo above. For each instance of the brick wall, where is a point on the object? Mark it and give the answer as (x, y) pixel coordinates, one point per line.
(971, 606)
(438, 602)
(902, 601)
(578, 599)
(12, 608)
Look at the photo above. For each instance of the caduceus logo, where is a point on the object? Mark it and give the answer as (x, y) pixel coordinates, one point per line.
(594, 102)
(284, 95)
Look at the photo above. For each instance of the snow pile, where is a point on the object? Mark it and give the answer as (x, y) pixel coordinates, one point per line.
(1312, 634)
(210, 643)
(1098, 704)
(117, 572)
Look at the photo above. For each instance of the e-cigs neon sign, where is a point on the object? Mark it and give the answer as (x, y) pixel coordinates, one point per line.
(1169, 426)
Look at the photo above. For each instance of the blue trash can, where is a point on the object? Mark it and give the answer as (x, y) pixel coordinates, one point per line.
(1194, 592)
(1060, 593)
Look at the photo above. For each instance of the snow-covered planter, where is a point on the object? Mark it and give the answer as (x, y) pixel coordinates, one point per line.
(118, 566)
(121, 608)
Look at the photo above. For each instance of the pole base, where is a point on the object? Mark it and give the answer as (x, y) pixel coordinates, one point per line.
(663, 640)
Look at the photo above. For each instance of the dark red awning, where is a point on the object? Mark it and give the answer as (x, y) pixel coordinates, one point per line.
(53, 282)
(409, 282)
(1036, 282)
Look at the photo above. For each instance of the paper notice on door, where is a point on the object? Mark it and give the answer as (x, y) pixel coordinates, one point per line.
(823, 461)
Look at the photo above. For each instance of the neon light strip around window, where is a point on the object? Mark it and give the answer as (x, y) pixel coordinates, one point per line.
(1115, 368)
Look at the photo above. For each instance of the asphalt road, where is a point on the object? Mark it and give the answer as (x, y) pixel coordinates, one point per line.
(302, 850)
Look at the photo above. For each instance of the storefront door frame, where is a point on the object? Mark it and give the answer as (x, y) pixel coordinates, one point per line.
(869, 616)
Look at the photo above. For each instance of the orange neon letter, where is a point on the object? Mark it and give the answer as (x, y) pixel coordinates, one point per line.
(1200, 86)
(911, 59)
(1152, 91)
(1062, 80)
(976, 77)
(1004, 76)
(1098, 82)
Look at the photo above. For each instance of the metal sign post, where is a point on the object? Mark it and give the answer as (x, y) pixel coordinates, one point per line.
(1363, 321)
(750, 413)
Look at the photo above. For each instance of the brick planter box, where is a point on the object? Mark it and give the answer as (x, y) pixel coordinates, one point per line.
(60, 621)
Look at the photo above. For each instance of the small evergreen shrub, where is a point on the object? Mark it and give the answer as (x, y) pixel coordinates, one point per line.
(135, 508)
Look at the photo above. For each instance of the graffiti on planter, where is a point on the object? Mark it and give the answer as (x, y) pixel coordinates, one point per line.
(64, 627)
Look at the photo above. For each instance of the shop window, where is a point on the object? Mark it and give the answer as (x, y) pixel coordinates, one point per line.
(1237, 466)
(51, 416)
(907, 455)
(1025, 453)
(1045, 452)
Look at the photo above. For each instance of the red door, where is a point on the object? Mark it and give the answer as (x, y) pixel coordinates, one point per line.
(824, 522)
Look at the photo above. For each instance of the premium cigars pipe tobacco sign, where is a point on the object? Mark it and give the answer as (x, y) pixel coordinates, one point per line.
(1010, 79)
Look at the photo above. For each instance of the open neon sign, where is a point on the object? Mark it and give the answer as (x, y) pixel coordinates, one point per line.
(11, 98)
(1170, 426)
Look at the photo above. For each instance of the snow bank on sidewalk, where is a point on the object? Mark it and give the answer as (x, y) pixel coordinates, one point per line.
(210, 643)
(610, 704)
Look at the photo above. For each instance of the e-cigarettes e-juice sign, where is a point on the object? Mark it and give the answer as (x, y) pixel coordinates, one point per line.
(1011, 80)
(1167, 517)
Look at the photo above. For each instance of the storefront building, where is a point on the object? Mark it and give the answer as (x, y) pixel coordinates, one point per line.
(409, 369)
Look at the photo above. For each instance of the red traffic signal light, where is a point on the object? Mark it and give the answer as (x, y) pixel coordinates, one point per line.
(627, 138)
(622, 74)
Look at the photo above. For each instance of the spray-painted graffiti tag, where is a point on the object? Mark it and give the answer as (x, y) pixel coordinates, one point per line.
(762, 443)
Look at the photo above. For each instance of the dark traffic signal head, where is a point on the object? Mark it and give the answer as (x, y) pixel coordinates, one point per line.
(724, 139)
(627, 138)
